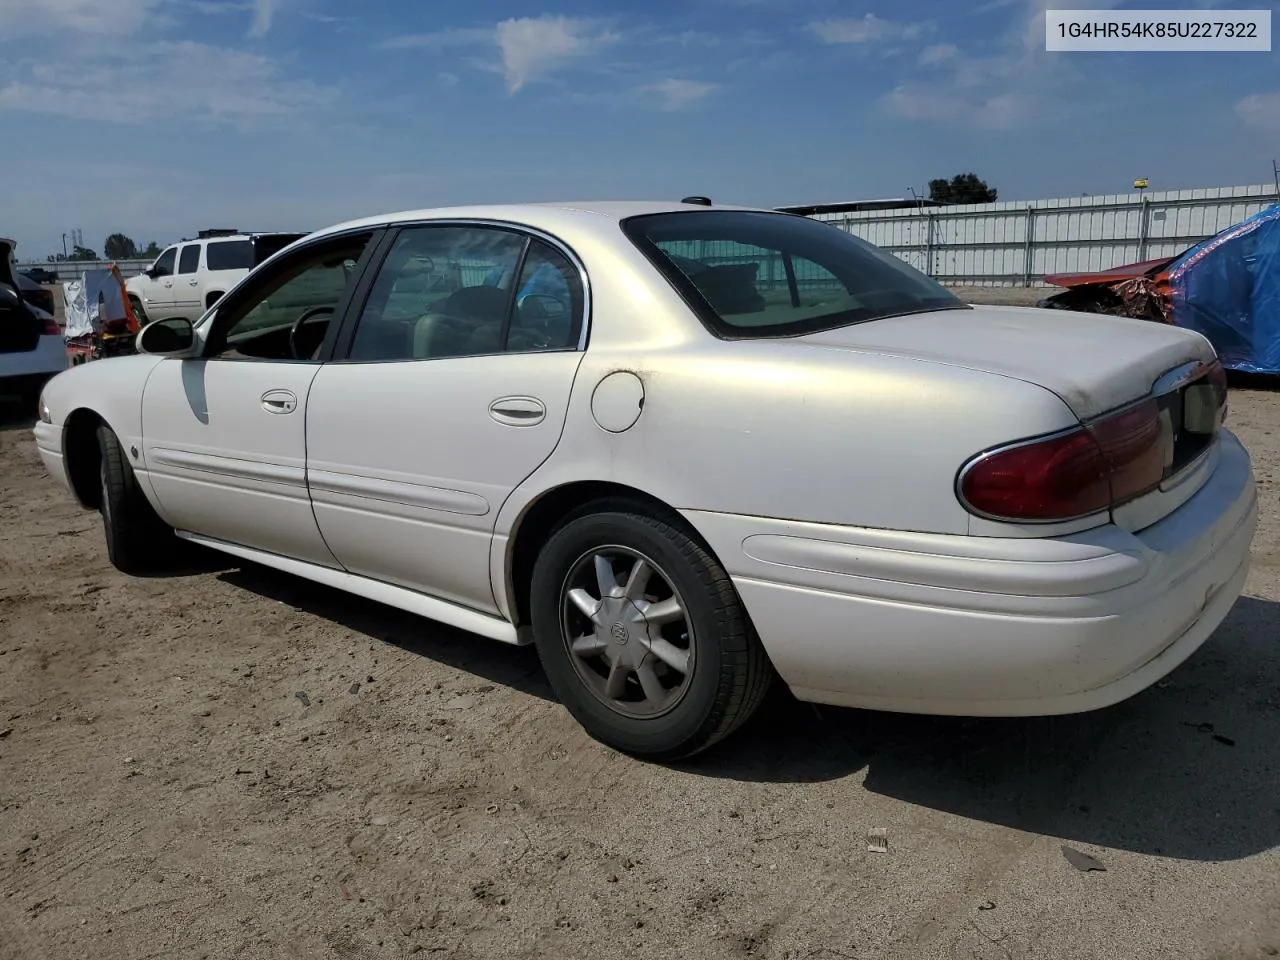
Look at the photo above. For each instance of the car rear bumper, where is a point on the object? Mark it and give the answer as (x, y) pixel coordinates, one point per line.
(32, 366)
(984, 626)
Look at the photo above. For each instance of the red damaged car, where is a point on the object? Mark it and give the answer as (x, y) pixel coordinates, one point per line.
(1226, 288)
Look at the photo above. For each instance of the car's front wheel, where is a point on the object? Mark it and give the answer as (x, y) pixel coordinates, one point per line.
(642, 634)
(137, 539)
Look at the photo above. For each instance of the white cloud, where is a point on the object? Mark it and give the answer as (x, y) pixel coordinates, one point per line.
(987, 110)
(25, 17)
(677, 94)
(136, 86)
(868, 29)
(528, 48)
(447, 79)
(533, 47)
(998, 90)
(938, 53)
(1260, 111)
(264, 11)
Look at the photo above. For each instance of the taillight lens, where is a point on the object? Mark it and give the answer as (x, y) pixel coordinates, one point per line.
(1073, 474)
(1134, 446)
(51, 328)
(1052, 479)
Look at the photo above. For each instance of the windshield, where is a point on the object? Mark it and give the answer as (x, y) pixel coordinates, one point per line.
(756, 274)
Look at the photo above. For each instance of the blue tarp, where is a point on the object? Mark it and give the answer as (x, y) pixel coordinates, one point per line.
(1228, 288)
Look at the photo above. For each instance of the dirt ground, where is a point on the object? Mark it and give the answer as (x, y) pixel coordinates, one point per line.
(231, 763)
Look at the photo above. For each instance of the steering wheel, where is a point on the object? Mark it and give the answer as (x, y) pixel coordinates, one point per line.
(294, 346)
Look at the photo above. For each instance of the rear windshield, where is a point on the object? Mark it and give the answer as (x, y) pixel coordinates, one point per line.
(756, 274)
(229, 255)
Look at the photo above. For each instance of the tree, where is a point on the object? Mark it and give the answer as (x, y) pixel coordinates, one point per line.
(82, 253)
(152, 251)
(962, 188)
(120, 247)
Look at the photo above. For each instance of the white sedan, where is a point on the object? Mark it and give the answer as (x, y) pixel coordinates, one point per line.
(684, 449)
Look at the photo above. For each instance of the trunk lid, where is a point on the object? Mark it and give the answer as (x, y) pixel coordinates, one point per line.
(1095, 363)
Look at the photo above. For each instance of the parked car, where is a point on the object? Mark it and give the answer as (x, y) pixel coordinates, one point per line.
(35, 294)
(1222, 287)
(41, 275)
(189, 277)
(31, 346)
(683, 449)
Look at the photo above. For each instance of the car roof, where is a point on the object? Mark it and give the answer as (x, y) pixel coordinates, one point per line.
(536, 215)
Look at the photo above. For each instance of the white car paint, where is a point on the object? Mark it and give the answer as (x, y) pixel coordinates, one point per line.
(820, 470)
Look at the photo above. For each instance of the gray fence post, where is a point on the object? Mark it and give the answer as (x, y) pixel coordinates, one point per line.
(1028, 246)
(1144, 226)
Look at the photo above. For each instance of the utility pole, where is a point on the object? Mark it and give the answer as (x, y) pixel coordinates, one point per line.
(64, 246)
(1275, 172)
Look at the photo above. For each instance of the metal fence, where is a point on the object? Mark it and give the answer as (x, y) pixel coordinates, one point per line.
(72, 269)
(1017, 243)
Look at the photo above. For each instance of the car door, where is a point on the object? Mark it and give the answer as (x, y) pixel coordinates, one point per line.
(186, 283)
(157, 297)
(224, 434)
(448, 389)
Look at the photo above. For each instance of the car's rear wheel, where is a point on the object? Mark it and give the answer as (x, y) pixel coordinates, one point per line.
(138, 541)
(642, 634)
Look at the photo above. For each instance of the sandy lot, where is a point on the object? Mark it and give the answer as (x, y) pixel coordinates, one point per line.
(231, 763)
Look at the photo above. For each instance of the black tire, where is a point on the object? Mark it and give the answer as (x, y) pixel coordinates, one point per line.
(728, 671)
(138, 541)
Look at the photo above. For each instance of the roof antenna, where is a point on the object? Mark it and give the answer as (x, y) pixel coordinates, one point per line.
(700, 201)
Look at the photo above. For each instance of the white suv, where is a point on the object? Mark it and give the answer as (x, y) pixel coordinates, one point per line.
(191, 276)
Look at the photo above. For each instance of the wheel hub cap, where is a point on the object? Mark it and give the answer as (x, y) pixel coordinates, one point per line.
(627, 632)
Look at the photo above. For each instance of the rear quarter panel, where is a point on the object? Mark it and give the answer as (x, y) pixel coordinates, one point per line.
(776, 429)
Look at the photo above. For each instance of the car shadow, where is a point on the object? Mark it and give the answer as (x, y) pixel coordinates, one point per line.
(14, 414)
(496, 662)
(1186, 769)
(1239, 380)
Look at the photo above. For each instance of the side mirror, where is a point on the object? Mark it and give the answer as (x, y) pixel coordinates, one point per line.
(20, 329)
(175, 337)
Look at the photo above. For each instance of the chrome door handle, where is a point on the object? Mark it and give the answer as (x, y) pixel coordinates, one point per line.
(279, 401)
(518, 411)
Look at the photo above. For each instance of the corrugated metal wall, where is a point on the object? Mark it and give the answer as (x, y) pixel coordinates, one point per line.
(1017, 243)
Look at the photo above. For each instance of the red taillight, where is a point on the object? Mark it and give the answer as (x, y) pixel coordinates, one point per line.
(1134, 446)
(51, 328)
(1102, 463)
(1052, 479)
(1068, 475)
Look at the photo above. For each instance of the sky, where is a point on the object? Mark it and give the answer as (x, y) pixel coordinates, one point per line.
(157, 118)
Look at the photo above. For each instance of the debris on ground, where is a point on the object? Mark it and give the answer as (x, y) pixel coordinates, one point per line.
(1082, 861)
(302, 695)
(878, 840)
